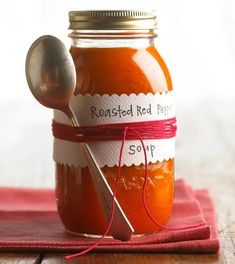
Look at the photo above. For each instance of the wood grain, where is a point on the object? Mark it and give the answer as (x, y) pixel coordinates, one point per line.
(136, 259)
(19, 258)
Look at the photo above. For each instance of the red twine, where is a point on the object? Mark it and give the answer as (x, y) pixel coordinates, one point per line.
(159, 129)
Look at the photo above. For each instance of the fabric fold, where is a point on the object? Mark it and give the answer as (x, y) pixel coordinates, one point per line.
(29, 222)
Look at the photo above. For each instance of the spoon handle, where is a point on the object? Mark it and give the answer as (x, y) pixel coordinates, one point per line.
(121, 228)
(69, 113)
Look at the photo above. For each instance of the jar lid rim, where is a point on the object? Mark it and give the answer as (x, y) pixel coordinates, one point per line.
(112, 19)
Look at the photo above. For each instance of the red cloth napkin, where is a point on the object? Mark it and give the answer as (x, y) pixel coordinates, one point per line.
(29, 222)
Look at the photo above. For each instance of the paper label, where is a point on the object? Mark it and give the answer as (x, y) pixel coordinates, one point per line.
(108, 109)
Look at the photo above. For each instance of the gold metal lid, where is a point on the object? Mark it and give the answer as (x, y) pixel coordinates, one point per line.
(112, 20)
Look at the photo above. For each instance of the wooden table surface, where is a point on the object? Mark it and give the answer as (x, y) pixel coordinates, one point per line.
(205, 158)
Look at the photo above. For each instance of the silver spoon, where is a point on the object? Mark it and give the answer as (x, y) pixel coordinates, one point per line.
(51, 77)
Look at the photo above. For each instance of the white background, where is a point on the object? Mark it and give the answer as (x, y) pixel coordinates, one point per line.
(197, 41)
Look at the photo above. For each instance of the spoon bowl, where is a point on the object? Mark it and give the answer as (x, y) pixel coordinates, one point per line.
(50, 73)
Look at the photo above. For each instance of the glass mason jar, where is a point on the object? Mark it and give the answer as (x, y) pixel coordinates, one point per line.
(114, 53)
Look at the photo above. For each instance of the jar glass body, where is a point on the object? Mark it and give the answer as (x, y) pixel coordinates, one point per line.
(116, 63)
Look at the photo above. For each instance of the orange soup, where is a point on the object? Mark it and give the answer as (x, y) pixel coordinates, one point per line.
(117, 70)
